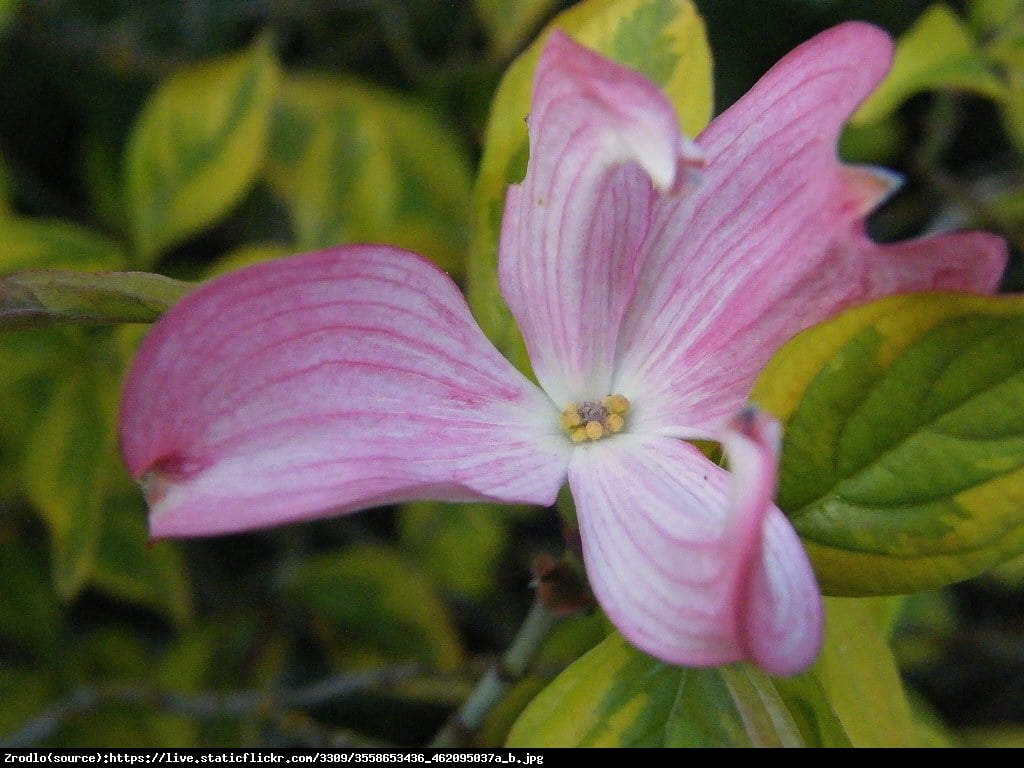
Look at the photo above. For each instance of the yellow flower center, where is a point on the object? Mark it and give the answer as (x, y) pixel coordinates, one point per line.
(592, 420)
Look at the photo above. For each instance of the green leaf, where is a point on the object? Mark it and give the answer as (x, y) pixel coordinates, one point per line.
(858, 673)
(379, 600)
(47, 244)
(938, 52)
(132, 568)
(30, 366)
(616, 696)
(903, 457)
(43, 297)
(458, 544)
(359, 164)
(664, 39)
(67, 469)
(198, 147)
(507, 24)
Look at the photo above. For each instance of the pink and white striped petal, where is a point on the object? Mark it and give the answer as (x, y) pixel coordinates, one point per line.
(773, 241)
(600, 137)
(679, 563)
(325, 383)
(780, 613)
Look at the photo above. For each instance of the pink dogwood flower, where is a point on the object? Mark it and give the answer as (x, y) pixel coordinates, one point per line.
(651, 277)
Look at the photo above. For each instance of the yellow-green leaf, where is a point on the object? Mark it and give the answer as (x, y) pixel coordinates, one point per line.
(378, 599)
(616, 696)
(857, 671)
(197, 147)
(43, 297)
(355, 163)
(903, 457)
(938, 52)
(663, 39)
(67, 469)
(27, 243)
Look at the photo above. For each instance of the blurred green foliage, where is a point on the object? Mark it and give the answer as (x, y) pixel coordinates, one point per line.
(190, 138)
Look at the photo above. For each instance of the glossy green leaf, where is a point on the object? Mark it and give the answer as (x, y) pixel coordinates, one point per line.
(664, 39)
(67, 468)
(508, 24)
(938, 52)
(359, 164)
(378, 599)
(43, 297)
(458, 544)
(198, 147)
(858, 673)
(27, 243)
(132, 568)
(903, 456)
(615, 696)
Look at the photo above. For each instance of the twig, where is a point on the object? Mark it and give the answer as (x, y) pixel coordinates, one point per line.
(499, 677)
(277, 707)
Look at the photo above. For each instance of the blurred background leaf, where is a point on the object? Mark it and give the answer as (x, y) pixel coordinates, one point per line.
(360, 164)
(198, 147)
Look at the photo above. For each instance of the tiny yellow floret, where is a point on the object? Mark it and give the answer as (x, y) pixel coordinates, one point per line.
(571, 417)
(594, 419)
(617, 404)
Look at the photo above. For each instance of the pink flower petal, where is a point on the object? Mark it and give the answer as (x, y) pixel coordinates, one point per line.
(599, 136)
(773, 241)
(325, 383)
(679, 562)
(780, 611)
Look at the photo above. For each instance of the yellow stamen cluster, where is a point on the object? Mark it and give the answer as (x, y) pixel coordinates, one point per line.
(592, 420)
